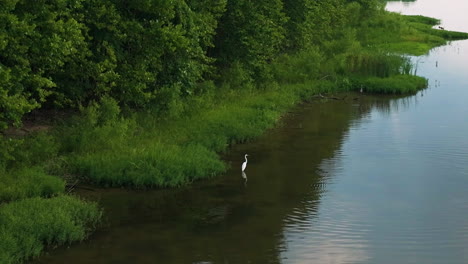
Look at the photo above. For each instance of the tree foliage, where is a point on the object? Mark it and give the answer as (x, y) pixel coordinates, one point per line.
(251, 33)
(150, 54)
(37, 40)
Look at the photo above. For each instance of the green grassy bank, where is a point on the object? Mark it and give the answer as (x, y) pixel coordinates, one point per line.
(414, 35)
(113, 146)
(30, 225)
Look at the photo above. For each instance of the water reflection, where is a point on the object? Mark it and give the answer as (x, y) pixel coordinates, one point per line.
(329, 239)
(244, 176)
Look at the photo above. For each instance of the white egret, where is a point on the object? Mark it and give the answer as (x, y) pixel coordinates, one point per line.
(244, 165)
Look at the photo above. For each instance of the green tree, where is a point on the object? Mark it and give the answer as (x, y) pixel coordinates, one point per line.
(251, 33)
(299, 25)
(149, 53)
(37, 38)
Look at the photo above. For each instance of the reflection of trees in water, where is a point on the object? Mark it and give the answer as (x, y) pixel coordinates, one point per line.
(306, 145)
(337, 118)
(385, 105)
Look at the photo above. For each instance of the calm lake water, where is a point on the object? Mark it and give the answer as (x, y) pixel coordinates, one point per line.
(361, 180)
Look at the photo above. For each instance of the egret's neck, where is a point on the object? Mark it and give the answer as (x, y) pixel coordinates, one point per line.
(245, 158)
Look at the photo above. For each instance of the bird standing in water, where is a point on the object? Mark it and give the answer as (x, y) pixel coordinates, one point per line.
(244, 165)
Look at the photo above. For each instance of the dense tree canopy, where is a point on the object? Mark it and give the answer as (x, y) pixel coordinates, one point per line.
(148, 53)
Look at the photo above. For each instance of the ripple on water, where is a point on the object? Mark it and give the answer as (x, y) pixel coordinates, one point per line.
(325, 236)
(347, 231)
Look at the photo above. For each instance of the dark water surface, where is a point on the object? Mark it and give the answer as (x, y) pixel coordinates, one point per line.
(361, 180)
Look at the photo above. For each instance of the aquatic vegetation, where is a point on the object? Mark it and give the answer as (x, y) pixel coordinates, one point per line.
(376, 63)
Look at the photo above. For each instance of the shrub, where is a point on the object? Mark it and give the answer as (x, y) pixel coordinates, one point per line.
(300, 67)
(28, 182)
(99, 127)
(28, 151)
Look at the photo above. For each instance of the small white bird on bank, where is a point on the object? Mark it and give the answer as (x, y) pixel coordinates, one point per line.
(244, 165)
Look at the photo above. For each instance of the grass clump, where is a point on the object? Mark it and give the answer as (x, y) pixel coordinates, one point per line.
(28, 182)
(377, 72)
(397, 84)
(34, 213)
(30, 225)
(152, 165)
(376, 63)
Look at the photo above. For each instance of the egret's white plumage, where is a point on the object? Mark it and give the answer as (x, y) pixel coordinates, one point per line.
(244, 165)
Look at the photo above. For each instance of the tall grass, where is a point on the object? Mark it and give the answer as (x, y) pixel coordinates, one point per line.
(30, 225)
(153, 165)
(377, 72)
(397, 84)
(376, 63)
(28, 182)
